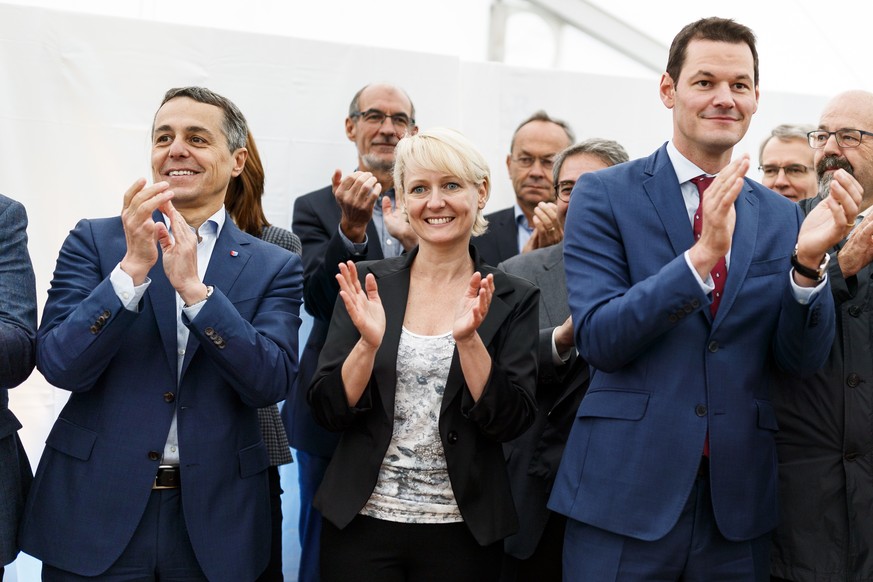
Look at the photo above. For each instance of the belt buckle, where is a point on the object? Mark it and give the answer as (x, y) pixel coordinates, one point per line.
(166, 468)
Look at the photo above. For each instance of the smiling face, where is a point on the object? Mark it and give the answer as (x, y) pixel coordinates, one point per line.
(190, 151)
(376, 141)
(713, 101)
(441, 207)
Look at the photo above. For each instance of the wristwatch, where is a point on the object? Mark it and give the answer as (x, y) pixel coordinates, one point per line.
(816, 275)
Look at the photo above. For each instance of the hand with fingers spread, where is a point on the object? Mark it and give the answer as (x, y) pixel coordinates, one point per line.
(473, 307)
(547, 226)
(179, 252)
(829, 222)
(857, 253)
(364, 306)
(719, 217)
(356, 195)
(397, 225)
(140, 202)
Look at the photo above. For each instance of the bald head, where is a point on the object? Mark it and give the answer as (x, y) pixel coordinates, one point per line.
(849, 110)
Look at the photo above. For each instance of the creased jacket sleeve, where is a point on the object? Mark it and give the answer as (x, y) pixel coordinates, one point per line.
(17, 299)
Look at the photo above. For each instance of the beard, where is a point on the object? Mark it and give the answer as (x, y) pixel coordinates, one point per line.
(377, 163)
(825, 178)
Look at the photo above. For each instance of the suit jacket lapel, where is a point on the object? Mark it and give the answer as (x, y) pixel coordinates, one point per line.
(663, 190)
(162, 298)
(742, 247)
(231, 253)
(553, 288)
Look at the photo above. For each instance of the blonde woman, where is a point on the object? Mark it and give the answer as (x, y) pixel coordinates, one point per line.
(429, 364)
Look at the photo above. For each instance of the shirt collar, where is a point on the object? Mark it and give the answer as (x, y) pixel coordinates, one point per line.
(211, 225)
(520, 218)
(684, 168)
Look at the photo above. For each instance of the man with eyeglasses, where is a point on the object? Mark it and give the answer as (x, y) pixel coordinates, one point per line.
(353, 218)
(825, 443)
(786, 162)
(691, 288)
(532, 222)
(534, 553)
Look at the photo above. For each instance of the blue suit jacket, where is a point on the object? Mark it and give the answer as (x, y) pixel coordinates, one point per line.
(17, 354)
(664, 371)
(96, 473)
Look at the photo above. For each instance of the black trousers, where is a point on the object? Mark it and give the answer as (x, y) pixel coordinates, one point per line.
(273, 573)
(376, 550)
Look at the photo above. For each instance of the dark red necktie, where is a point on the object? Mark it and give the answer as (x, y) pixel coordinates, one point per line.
(719, 272)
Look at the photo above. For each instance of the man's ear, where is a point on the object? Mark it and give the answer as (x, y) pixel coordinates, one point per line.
(667, 91)
(350, 129)
(239, 158)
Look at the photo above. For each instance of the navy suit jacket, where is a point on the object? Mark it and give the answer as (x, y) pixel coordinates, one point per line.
(316, 222)
(17, 354)
(96, 473)
(664, 371)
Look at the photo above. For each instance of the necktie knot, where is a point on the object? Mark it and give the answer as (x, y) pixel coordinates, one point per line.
(702, 182)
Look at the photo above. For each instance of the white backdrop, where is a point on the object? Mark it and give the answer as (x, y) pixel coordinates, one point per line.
(78, 93)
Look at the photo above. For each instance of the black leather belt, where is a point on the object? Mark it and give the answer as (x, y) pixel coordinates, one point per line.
(167, 477)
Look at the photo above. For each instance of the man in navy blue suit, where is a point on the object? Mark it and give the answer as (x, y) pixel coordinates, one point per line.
(687, 312)
(170, 327)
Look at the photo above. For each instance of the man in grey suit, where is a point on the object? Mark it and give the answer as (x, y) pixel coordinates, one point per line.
(534, 553)
(17, 353)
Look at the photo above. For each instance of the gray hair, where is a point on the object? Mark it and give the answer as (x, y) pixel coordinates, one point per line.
(786, 132)
(608, 151)
(541, 115)
(235, 128)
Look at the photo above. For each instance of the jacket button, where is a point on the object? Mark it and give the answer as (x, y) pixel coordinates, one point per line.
(700, 410)
(209, 332)
(154, 456)
(850, 456)
(855, 310)
(169, 396)
(852, 380)
(713, 346)
(672, 318)
(695, 303)
(107, 314)
(94, 329)
(688, 308)
(452, 437)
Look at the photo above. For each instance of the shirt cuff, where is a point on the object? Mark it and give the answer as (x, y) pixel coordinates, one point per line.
(353, 247)
(128, 293)
(707, 286)
(805, 295)
(558, 358)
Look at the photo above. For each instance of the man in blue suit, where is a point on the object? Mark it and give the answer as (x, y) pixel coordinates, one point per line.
(17, 354)
(170, 327)
(669, 472)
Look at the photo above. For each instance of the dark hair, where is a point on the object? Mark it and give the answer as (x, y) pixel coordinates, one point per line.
(541, 115)
(715, 29)
(244, 193)
(234, 125)
(355, 105)
(608, 151)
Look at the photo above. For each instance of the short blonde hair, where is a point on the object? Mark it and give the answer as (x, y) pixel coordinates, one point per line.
(443, 150)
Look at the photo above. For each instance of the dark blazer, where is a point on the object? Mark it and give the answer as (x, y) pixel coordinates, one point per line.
(17, 355)
(316, 222)
(471, 432)
(533, 458)
(500, 241)
(664, 372)
(96, 473)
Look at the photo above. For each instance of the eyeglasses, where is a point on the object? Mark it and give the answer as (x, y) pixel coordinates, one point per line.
(846, 138)
(529, 161)
(564, 190)
(376, 117)
(791, 170)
